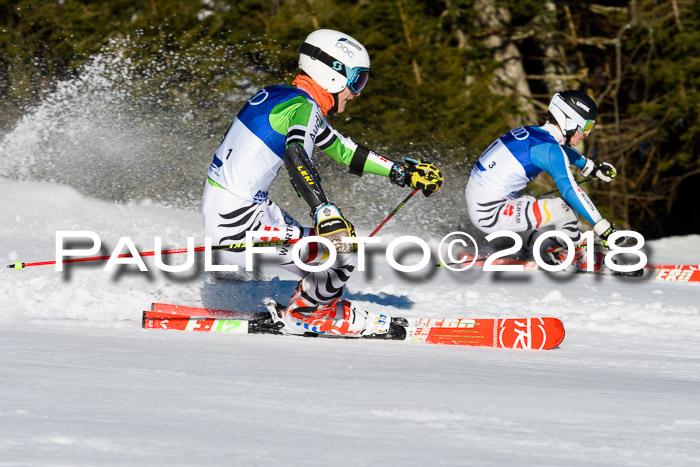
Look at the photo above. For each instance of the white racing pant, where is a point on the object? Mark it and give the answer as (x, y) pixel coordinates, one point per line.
(491, 212)
(227, 218)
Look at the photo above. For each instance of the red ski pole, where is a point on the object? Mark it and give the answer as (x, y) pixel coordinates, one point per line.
(394, 211)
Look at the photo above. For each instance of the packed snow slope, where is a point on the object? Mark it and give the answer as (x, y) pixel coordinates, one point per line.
(83, 384)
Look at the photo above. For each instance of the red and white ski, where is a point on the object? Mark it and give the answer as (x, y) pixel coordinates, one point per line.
(673, 273)
(512, 333)
(667, 273)
(542, 333)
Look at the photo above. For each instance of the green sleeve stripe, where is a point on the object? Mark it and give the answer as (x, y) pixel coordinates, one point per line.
(340, 153)
(295, 111)
(375, 167)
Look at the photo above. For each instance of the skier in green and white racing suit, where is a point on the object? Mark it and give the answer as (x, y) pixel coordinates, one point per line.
(279, 126)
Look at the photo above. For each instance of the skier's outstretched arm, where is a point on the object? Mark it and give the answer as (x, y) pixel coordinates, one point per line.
(604, 171)
(419, 174)
(555, 161)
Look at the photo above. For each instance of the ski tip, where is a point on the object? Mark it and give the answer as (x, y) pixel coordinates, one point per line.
(557, 334)
(16, 266)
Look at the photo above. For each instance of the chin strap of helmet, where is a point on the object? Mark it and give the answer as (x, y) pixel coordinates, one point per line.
(564, 133)
(335, 102)
(567, 138)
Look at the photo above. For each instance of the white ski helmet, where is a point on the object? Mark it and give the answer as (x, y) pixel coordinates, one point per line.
(573, 110)
(334, 60)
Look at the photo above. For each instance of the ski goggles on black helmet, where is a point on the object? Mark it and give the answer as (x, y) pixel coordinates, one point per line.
(587, 127)
(357, 77)
(568, 118)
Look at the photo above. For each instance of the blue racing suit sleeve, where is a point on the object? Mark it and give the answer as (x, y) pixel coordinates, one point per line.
(555, 160)
(575, 157)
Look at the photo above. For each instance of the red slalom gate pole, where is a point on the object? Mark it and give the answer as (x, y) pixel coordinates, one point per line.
(233, 247)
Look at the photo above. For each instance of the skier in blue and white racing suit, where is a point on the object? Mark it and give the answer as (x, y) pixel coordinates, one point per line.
(494, 201)
(279, 126)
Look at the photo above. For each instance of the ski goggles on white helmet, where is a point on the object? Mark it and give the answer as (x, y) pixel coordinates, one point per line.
(358, 80)
(572, 119)
(357, 77)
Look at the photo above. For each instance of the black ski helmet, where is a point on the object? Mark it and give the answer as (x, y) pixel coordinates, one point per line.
(573, 110)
